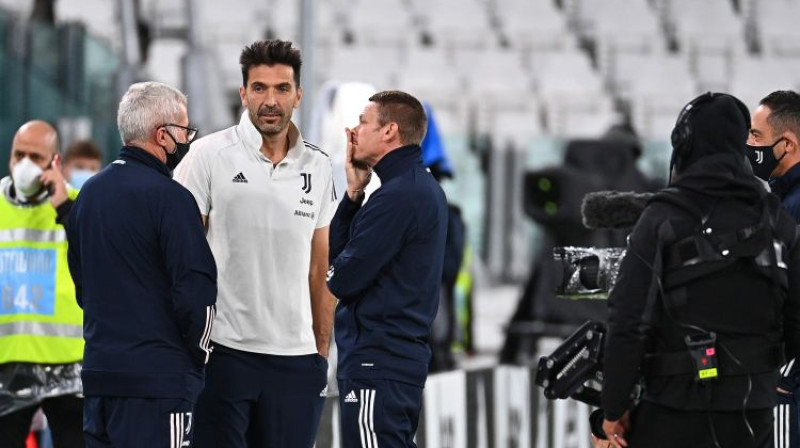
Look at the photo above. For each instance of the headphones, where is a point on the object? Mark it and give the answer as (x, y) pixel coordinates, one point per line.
(682, 134)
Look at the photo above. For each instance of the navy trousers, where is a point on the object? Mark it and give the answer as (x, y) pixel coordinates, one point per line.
(379, 413)
(254, 400)
(122, 422)
(786, 421)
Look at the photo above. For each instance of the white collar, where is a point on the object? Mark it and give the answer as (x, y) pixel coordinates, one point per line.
(252, 140)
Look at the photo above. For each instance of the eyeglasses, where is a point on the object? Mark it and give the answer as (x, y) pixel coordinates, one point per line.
(191, 133)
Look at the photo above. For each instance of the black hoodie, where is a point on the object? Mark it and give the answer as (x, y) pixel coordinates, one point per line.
(737, 301)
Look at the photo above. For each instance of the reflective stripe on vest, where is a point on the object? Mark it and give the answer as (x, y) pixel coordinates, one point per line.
(33, 235)
(41, 329)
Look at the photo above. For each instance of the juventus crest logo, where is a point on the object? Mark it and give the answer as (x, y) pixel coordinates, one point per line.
(759, 156)
(306, 182)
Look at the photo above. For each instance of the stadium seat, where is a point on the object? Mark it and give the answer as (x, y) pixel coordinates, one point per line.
(518, 127)
(656, 87)
(453, 23)
(385, 22)
(708, 26)
(533, 25)
(99, 16)
(775, 26)
(755, 77)
(495, 75)
(165, 61)
(357, 64)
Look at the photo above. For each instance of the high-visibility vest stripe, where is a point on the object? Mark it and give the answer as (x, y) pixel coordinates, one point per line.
(33, 235)
(41, 329)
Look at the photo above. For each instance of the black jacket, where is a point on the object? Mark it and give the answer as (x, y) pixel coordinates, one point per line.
(650, 312)
(714, 254)
(146, 280)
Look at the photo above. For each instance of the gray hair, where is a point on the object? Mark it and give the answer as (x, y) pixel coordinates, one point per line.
(146, 106)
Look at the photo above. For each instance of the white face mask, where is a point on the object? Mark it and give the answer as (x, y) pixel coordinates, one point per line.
(78, 177)
(27, 177)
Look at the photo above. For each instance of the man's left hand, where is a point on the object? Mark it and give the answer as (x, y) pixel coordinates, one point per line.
(53, 180)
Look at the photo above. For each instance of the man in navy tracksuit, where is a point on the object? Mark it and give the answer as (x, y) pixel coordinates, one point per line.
(774, 152)
(146, 280)
(386, 268)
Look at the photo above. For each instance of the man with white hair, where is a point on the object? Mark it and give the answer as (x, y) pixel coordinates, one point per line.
(146, 280)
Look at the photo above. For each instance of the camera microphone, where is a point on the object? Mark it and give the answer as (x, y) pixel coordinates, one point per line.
(613, 209)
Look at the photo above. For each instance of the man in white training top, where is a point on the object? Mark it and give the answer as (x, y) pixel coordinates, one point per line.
(267, 200)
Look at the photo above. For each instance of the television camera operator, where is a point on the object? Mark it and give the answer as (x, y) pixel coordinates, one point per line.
(707, 301)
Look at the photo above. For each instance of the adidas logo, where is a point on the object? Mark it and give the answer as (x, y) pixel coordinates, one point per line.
(324, 392)
(239, 178)
(351, 398)
(330, 274)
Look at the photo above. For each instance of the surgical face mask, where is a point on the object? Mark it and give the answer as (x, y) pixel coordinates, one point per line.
(763, 160)
(78, 177)
(27, 178)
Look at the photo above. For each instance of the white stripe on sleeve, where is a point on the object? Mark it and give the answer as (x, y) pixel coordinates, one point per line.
(205, 341)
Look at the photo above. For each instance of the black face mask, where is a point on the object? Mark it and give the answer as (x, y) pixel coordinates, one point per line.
(175, 157)
(763, 160)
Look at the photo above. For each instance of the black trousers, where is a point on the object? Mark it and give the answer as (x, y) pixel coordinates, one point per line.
(655, 426)
(64, 416)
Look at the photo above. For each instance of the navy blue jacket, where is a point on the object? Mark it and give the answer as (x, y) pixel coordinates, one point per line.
(386, 271)
(146, 280)
(787, 187)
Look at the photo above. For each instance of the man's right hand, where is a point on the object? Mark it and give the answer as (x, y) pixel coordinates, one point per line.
(616, 431)
(54, 181)
(358, 174)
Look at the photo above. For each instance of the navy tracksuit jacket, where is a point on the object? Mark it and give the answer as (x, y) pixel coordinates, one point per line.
(146, 280)
(386, 271)
(787, 187)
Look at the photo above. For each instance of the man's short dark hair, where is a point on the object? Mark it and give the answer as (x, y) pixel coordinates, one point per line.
(405, 110)
(784, 106)
(270, 52)
(83, 149)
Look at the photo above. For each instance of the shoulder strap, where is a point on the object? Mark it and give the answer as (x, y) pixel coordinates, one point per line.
(674, 196)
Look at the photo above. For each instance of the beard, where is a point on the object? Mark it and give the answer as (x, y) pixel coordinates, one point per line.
(278, 126)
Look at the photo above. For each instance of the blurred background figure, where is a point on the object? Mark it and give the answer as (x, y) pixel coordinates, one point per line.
(450, 332)
(82, 160)
(553, 199)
